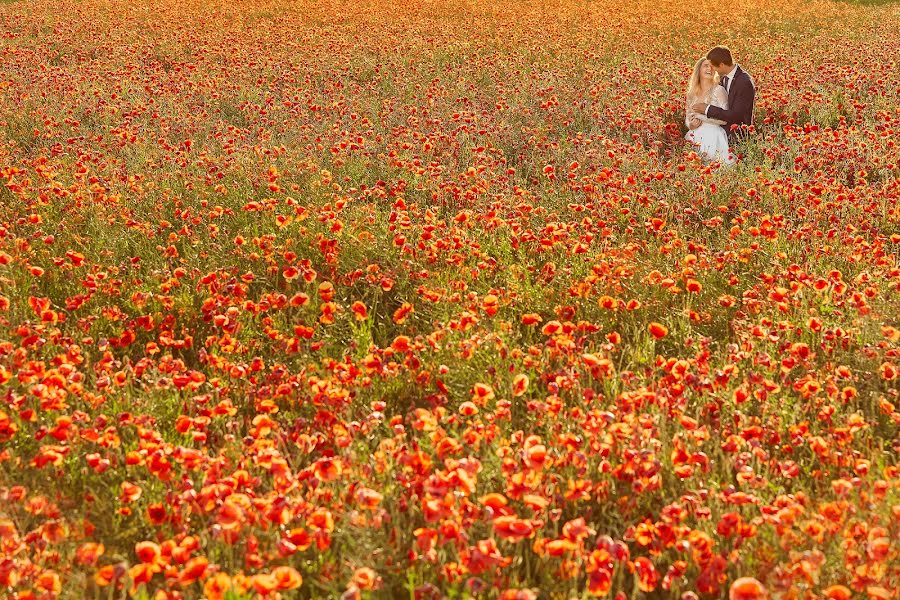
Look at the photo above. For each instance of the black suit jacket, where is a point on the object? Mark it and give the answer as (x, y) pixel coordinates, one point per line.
(740, 104)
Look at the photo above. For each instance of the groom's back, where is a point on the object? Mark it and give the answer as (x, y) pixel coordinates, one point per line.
(746, 88)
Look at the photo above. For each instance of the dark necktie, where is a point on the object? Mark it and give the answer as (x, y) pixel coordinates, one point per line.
(725, 82)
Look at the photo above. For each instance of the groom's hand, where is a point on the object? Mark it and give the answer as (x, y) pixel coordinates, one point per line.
(699, 107)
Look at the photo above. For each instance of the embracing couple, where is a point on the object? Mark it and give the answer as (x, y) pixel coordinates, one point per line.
(719, 105)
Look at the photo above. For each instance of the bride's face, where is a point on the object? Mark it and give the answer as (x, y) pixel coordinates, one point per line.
(706, 71)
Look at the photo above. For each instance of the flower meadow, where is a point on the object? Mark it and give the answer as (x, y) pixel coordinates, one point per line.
(328, 299)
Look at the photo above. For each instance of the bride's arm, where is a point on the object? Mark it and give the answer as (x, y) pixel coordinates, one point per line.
(690, 115)
(704, 119)
(720, 99)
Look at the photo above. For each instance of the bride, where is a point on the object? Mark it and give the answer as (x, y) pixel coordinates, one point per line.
(705, 133)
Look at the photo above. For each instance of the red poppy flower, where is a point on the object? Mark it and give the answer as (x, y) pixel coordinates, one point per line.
(658, 330)
(747, 588)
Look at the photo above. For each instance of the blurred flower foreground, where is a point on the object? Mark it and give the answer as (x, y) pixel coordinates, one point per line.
(430, 299)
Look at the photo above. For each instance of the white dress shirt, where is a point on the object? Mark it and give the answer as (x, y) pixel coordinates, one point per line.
(730, 77)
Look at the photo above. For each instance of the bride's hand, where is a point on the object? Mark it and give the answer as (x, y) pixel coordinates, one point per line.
(695, 123)
(699, 107)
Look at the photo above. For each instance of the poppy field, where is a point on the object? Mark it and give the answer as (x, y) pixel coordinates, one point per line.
(423, 300)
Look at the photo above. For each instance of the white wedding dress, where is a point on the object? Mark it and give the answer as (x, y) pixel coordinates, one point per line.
(710, 138)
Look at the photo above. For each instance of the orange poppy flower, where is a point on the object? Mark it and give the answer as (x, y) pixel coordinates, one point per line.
(365, 578)
(520, 384)
(531, 319)
(89, 553)
(747, 588)
(648, 576)
(359, 310)
(49, 582)
(600, 582)
(148, 552)
(287, 578)
(512, 528)
(837, 592)
(217, 586)
(658, 330)
(264, 583)
(482, 394)
(193, 570)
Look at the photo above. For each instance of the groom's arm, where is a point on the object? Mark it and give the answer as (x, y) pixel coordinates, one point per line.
(743, 100)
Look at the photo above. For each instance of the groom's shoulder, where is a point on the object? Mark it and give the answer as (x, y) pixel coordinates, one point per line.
(749, 77)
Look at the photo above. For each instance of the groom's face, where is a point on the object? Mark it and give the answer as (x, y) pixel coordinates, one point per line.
(722, 69)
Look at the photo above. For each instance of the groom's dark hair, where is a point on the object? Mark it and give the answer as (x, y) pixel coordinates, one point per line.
(720, 55)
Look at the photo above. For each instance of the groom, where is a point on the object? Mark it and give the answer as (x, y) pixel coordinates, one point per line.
(741, 94)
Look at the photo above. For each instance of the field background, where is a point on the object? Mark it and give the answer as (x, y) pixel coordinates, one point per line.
(429, 299)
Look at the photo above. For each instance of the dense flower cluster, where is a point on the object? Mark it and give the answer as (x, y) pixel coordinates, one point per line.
(429, 299)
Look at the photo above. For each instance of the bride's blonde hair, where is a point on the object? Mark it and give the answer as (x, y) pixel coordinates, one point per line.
(693, 89)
